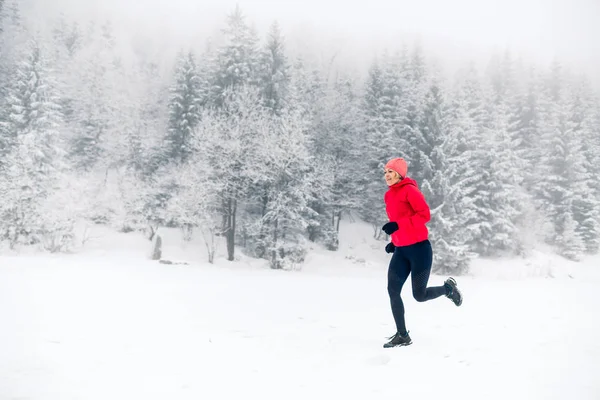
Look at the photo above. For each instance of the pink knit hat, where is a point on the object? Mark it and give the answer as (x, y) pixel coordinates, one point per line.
(398, 165)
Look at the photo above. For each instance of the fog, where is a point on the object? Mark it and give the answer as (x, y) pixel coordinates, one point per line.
(454, 32)
(148, 113)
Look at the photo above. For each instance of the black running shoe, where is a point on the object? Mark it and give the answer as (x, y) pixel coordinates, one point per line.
(452, 291)
(398, 340)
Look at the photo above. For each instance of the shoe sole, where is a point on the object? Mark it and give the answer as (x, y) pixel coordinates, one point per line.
(397, 345)
(459, 292)
(459, 301)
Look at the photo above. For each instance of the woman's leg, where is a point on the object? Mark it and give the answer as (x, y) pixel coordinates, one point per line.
(421, 257)
(398, 272)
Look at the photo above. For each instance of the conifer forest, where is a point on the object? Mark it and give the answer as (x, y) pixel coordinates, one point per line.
(243, 143)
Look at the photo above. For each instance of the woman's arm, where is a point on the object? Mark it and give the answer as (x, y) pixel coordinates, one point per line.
(420, 207)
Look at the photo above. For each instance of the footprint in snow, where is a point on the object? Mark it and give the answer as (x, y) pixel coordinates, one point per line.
(380, 359)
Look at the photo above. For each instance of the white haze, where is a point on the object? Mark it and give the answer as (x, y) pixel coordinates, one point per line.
(454, 32)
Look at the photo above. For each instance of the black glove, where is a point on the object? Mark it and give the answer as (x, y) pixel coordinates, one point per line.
(390, 228)
(389, 248)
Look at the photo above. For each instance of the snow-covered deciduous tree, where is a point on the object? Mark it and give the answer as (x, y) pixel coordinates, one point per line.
(284, 223)
(247, 146)
(231, 136)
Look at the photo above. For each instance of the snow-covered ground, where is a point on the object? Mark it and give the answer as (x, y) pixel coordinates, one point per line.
(107, 323)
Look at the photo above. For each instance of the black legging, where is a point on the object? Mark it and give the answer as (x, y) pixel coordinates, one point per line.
(416, 258)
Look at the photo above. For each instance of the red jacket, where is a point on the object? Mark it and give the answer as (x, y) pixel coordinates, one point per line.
(406, 205)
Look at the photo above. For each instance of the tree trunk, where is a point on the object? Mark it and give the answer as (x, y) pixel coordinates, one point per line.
(261, 236)
(274, 263)
(265, 202)
(209, 241)
(157, 248)
(228, 232)
(313, 231)
(231, 214)
(188, 231)
(233, 226)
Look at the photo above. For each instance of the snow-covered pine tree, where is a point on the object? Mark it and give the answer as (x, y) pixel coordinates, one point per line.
(429, 160)
(505, 128)
(562, 182)
(306, 88)
(593, 153)
(2, 16)
(467, 151)
(493, 189)
(526, 114)
(569, 244)
(68, 36)
(307, 94)
(501, 74)
(13, 13)
(499, 196)
(417, 66)
(6, 134)
(146, 139)
(134, 189)
(446, 129)
(237, 61)
(100, 95)
(67, 40)
(586, 206)
(274, 75)
(383, 116)
(335, 145)
(12, 39)
(371, 208)
(449, 227)
(274, 84)
(184, 109)
(408, 135)
(593, 149)
(390, 111)
(92, 83)
(10, 14)
(521, 153)
(519, 122)
(31, 173)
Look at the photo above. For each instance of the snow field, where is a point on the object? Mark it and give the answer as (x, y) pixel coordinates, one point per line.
(82, 327)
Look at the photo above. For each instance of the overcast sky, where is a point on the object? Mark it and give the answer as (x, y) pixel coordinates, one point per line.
(456, 29)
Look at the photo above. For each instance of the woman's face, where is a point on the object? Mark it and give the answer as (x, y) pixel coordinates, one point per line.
(391, 177)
